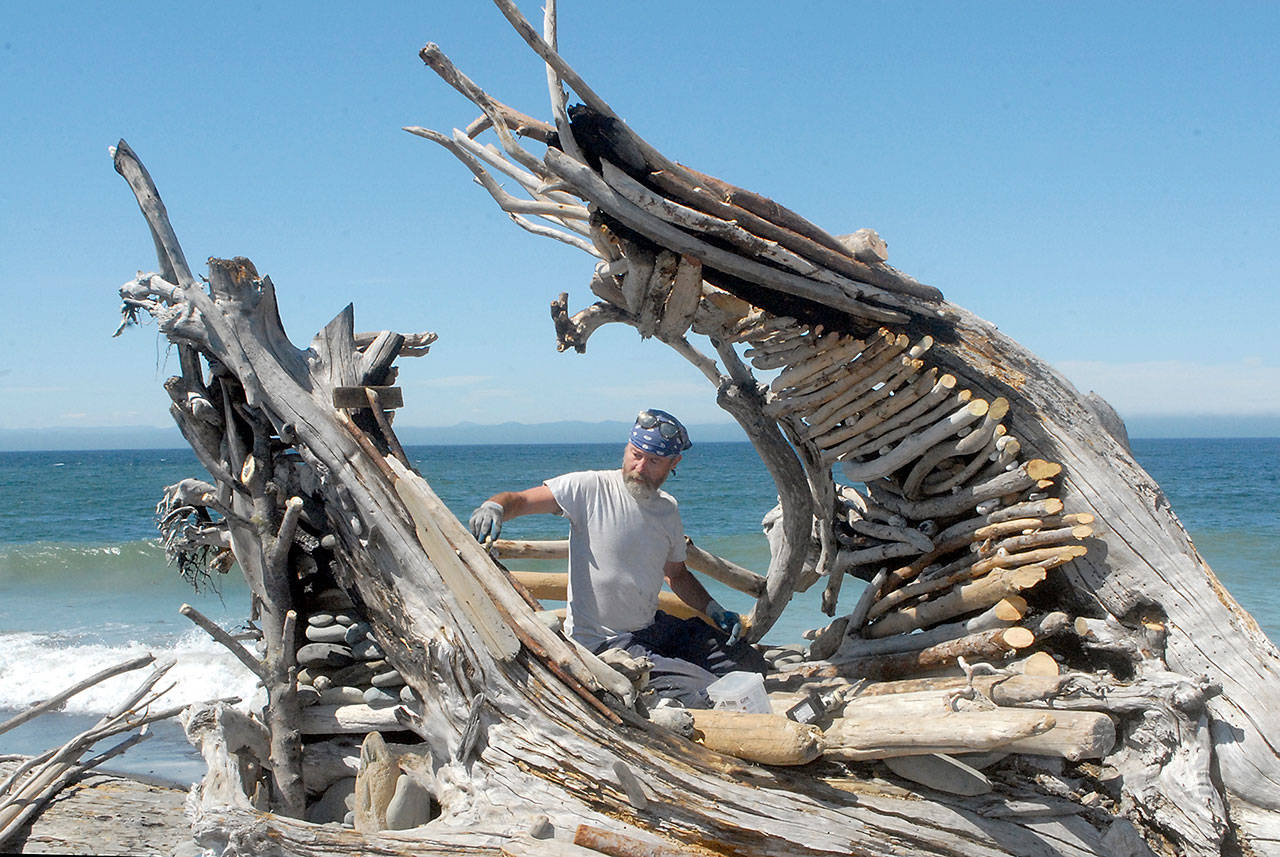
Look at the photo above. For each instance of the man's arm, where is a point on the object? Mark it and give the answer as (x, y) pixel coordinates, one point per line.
(686, 586)
(531, 501)
(693, 593)
(486, 521)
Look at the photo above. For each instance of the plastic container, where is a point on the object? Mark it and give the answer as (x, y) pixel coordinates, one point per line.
(740, 691)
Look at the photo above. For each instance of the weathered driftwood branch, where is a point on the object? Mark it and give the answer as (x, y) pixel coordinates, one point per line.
(56, 701)
(859, 738)
(996, 644)
(36, 781)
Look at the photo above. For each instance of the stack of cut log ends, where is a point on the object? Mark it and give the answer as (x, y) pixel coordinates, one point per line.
(356, 755)
(955, 530)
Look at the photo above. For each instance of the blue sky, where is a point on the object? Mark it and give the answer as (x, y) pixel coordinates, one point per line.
(1101, 180)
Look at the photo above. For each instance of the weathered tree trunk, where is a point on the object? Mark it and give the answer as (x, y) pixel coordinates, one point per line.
(982, 469)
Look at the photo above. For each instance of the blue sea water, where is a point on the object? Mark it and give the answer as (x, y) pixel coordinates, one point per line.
(83, 585)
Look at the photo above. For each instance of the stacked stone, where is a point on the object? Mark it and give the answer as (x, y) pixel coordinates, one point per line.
(783, 656)
(341, 663)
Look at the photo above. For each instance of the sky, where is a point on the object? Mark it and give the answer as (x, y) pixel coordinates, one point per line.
(1101, 180)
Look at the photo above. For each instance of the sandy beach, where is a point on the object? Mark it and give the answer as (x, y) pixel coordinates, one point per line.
(109, 814)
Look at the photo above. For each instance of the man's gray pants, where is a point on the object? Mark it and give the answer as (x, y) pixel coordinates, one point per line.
(687, 656)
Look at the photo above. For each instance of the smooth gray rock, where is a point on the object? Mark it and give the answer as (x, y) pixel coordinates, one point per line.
(376, 697)
(390, 678)
(342, 696)
(357, 632)
(324, 655)
(410, 806)
(320, 620)
(366, 650)
(307, 695)
(407, 694)
(540, 827)
(326, 634)
(356, 675)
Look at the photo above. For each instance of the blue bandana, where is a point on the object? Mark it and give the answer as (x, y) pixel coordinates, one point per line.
(658, 433)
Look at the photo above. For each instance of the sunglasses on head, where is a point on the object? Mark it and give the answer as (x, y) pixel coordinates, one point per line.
(666, 428)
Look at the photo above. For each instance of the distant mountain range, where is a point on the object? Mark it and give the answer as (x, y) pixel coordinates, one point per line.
(149, 437)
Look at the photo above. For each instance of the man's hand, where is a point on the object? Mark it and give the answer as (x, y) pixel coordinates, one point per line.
(486, 522)
(726, 620)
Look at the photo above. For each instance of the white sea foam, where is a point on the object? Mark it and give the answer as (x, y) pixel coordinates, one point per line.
(34, 667)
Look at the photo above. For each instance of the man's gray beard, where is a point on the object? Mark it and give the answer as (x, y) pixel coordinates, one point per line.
(638, 488)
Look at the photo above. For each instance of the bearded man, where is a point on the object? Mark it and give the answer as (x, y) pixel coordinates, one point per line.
(625, 539)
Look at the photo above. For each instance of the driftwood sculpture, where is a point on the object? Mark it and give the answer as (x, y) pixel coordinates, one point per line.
(1039, 664)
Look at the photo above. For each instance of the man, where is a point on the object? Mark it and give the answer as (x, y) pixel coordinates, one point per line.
(625, 538)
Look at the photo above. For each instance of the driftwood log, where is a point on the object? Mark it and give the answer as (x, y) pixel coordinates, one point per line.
(1019, 561)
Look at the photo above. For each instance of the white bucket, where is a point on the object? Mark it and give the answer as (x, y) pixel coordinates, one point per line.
(740, 691)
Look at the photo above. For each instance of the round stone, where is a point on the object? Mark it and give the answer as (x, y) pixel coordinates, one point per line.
(342, 696)
(326, 634)
(376, 696)
(320, 620)
(366, 650)
(390, 678)
(357, 632)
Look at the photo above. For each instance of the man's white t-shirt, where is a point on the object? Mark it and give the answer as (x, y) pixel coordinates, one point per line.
(618, 546)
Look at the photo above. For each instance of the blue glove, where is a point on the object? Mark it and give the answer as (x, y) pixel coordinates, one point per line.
(726, 620)
(486, 521)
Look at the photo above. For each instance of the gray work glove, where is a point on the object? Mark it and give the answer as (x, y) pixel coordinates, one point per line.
(725, 620)
(486, 521)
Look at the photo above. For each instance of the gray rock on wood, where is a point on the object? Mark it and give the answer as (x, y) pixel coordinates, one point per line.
(940, 771)
(356, 675)
(330, 633)
(390, 678)
(341, 696)
(320, 620)
(324, 655)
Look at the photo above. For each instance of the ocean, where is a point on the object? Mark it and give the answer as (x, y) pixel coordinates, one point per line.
(84, 585)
